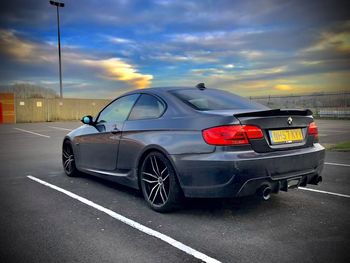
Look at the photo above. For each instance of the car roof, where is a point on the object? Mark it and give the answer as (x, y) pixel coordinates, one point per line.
(161, 90)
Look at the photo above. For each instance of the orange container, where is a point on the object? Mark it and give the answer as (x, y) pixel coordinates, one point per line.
(1, 119)
(7, 108)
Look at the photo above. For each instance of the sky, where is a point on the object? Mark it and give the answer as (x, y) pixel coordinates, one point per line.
(252, 48)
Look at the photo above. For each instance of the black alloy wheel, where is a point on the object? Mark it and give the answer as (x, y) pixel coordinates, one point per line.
(159, 183)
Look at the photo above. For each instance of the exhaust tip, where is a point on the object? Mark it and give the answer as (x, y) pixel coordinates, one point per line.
(316, 180)
(265, 192)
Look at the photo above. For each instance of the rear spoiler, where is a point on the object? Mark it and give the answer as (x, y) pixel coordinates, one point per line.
(276, 112)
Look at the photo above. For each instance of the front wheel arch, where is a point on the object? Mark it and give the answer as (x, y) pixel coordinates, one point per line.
(67, 148)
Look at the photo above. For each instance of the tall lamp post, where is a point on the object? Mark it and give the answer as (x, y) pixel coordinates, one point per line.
(58, 4)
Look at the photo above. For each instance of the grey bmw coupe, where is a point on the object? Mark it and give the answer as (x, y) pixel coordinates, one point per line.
(196, 142)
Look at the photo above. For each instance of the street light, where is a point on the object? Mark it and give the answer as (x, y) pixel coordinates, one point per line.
(58, 4)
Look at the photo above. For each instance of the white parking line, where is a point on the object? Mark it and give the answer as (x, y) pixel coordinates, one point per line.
(59, 128)
(131, 223)
(323, 192)
(42, 135)
(339, 164)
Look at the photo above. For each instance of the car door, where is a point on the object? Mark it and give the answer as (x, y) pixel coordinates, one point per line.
(98, 150)
(142, 121)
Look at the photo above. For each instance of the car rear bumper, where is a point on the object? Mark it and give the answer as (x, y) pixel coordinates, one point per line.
(241, 173)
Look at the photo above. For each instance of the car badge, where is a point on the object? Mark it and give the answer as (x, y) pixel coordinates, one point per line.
(289, 120)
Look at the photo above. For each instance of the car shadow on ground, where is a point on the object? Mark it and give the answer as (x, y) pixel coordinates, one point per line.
(199, 206)
(233, 206)
(111, 184)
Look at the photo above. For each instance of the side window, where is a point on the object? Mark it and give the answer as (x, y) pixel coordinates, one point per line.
(118, 110)
(147, 107)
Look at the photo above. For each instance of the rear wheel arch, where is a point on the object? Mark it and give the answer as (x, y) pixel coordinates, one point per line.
(147, 151)
(162, 182)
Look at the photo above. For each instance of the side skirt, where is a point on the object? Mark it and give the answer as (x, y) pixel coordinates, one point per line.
(124, 177)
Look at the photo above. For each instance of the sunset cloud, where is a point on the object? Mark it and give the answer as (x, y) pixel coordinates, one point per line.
(30, 52)
(283, 87)
(117, 69)
(339, 41)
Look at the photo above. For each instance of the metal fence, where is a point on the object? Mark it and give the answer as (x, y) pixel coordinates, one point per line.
(39, 110)
(333, 105)
(334, 113)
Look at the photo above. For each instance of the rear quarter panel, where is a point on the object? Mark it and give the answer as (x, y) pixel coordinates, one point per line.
(172, 136)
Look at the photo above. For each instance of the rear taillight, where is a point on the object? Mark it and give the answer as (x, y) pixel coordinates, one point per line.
(231, 135)
(313, 130)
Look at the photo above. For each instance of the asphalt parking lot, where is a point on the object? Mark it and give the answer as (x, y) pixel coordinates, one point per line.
(41, 223)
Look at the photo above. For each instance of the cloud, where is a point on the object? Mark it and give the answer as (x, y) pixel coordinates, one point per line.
(239, 75)
(283, 87)
(168, 57)
(229, 66)
(196, 57)
(332, 41)
(251, 54)
(183, 16)
(42, 53)
(116, 69)
(119, 40)
(210, 40)
(12, 46)
(208, 71)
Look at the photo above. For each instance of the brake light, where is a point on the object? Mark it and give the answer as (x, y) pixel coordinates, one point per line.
(253, 132)
(313, 130)
(231, 135)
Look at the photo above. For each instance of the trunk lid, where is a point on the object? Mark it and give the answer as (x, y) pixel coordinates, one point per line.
(283, 129)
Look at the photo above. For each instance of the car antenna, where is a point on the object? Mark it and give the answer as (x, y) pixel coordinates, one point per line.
(201, 86)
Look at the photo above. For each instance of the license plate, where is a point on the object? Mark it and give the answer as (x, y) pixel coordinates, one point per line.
(286, 136)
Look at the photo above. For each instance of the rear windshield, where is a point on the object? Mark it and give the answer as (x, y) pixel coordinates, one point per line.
(204, 100)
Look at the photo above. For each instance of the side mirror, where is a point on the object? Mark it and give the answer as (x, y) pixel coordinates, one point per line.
(87, 120)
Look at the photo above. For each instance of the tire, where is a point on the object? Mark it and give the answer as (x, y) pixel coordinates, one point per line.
(159, 184)
(68, 160)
